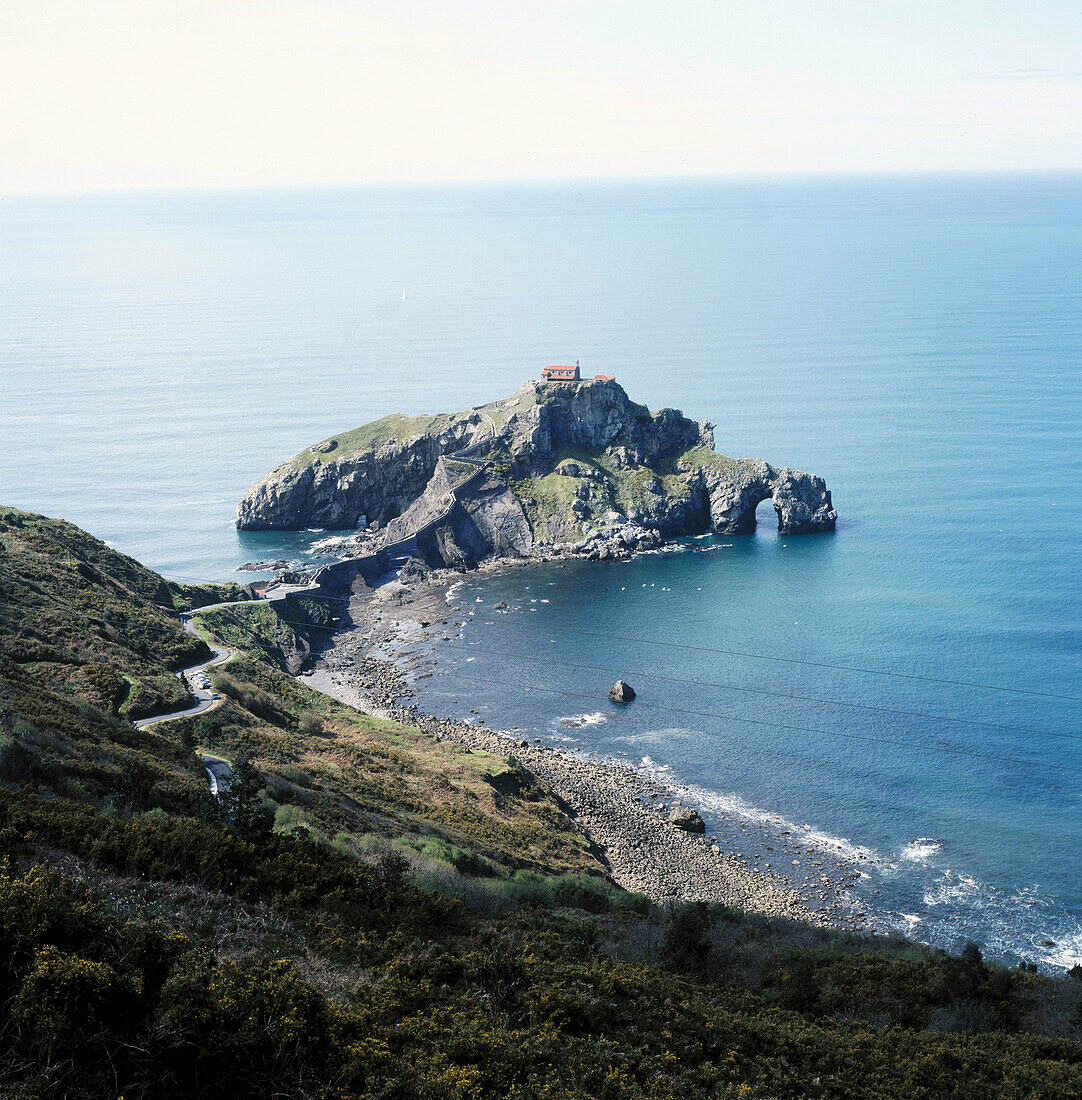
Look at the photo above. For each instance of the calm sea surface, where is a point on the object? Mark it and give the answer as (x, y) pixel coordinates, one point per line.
(914, 677)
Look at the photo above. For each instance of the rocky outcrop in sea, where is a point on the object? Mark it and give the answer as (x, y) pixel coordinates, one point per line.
(555, 468)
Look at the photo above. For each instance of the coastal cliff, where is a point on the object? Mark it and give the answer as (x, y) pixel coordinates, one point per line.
(575, 467)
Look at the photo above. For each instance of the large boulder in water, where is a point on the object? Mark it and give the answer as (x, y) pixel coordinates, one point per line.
(621, 692)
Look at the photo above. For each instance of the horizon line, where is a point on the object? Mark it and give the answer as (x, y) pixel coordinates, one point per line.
(537, 181)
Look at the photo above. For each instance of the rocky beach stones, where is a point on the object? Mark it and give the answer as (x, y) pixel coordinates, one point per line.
(621, 692)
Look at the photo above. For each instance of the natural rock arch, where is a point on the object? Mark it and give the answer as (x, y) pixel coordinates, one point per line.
(801, 501)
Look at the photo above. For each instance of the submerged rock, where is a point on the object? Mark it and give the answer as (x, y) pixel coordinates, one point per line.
(621, 692)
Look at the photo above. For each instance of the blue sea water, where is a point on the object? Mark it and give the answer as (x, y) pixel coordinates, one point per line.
(916, 341)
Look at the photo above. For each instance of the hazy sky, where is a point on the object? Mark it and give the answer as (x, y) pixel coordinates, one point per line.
(154, 93)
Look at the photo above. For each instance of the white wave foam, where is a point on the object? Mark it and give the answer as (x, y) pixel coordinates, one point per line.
(917, 851)
(1065, 951)
(654, 736)
(450, 596)
(732, 804)
(838, 846)
(577, 721)
(651, 738)
(952, 889)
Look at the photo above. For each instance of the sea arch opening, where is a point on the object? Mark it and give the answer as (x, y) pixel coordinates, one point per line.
(764, 512)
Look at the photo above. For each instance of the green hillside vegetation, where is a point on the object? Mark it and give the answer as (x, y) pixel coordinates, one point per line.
(85, 621)
(369, 437)
(374, 913)
(255, 626)
(363, 785)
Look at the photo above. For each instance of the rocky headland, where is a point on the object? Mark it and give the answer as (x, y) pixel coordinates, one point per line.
(556, 468)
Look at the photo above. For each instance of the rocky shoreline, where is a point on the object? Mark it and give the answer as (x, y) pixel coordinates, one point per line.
(394, 640)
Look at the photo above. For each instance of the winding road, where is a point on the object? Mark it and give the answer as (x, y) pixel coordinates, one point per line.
(219, 773)
(204, 699)
(218, 770)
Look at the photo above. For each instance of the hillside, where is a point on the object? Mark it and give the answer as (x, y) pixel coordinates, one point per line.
(372, 912)
(87, 641)
(576, 465)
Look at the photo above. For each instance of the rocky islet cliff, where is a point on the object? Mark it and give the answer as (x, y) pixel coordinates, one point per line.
(555, 467)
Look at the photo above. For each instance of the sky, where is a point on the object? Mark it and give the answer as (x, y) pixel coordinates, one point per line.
(131, 94)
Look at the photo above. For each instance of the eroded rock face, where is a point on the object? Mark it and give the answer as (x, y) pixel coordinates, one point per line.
(492, 519)
(378, 484)
(594, 417)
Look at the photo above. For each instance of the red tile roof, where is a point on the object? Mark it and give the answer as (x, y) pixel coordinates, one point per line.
(604, 377)
(562, 373)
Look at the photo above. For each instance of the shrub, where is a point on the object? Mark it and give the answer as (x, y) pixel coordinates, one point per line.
(68, 1001)
(583, 892)
(110, 685)
(464, 860)
(16, 760)
(252, 1024)
(310, 723)
(686, 945)
(134, 787)
(241, 803)
(254, 699)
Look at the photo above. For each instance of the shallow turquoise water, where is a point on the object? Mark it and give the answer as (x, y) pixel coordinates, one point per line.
(915, 341)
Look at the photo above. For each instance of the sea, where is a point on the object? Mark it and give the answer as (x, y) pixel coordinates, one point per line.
(905, 691)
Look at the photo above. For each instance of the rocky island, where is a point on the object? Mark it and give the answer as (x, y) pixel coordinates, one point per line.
(558, 467)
